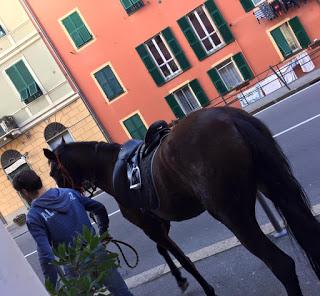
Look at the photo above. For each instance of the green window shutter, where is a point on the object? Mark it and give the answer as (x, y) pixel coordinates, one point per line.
(247, 5)
(281, 42)
(126, 4)
(217, 81)
(199, 92)
(109, 83)
(150, 65)
(68, 24)
(16, 79)
(176, 49)
(300, 32)
(135, 127)
(243, 66)
(23, 81)
(219, 21)
(192, 38)
(173, 104)
(23, 70)
(77, 29)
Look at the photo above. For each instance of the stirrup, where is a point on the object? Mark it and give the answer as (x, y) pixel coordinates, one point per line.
(135, 178)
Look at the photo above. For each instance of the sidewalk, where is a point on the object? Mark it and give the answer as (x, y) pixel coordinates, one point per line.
(236, 273)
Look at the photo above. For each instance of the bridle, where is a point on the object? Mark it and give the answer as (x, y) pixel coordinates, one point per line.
(67, 176)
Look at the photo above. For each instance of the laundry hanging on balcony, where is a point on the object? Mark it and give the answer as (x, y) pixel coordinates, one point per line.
(264, 11)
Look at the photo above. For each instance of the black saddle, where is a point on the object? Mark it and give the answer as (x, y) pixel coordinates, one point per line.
(132, 176)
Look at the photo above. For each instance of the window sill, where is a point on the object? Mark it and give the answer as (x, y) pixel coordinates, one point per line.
(293, 54)
(238, 87)
(215, 51)
(173, 76)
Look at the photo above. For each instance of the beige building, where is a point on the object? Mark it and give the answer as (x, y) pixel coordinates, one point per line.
(39, 104)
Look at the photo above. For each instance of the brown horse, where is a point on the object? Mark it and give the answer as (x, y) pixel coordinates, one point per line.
(214, 160)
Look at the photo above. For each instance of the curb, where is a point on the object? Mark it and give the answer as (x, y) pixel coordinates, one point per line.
(214, 249)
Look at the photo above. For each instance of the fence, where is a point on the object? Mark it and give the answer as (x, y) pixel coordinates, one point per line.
(269, 81)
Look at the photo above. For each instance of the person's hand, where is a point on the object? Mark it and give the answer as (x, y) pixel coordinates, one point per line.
(105, 238)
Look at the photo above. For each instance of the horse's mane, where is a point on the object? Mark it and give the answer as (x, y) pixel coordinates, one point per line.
(85, 146)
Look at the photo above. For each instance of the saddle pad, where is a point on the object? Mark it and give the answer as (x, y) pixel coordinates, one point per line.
(143, 198)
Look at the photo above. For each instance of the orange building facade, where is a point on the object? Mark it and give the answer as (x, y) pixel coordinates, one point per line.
(138, 61)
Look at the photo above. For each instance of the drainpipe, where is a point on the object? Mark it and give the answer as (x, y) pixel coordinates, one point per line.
(63, 66)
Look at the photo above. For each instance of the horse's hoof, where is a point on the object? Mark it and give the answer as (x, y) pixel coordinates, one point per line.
(210, 292)
(183, 285)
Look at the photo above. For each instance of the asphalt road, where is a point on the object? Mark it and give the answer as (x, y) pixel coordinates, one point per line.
(301, 145)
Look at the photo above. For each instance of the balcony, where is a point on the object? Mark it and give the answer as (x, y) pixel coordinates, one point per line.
(271, 9)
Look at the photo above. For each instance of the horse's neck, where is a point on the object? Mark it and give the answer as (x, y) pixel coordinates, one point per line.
(106, 161)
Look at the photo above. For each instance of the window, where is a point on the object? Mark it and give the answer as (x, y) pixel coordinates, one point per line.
(132, 6)
(248, 5)
(206, 29)
(290, 37)
(13, 162)
(230, 74)
(77, 29)
(109, 83)
(23, 81)
(187, 99)
(163, 57)
(55, 133)
(2, 32)
(135, 127)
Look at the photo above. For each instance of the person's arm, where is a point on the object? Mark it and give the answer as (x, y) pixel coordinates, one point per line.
(45, 253)
(98, 209)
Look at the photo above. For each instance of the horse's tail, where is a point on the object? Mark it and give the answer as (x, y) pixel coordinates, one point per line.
(275, 178)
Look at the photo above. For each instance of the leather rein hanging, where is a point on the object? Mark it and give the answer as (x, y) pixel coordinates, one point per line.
(67, 178)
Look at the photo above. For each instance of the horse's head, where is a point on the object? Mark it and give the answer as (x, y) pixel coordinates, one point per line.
(80, 165)
(62, 169)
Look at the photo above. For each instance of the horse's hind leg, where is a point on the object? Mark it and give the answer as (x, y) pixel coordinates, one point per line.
(182, 282)
(242, 222)
(157, 231)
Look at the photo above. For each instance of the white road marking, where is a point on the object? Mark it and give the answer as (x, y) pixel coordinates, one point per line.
(26, 256)
(297, 125)
(34, 252)
(286, 99)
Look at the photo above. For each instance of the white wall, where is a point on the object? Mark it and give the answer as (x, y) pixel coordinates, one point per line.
(16, 275)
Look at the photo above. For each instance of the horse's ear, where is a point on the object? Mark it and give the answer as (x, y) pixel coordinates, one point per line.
(49, 154)
(62, 141)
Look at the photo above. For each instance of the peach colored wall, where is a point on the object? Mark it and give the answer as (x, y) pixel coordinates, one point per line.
(117, 35)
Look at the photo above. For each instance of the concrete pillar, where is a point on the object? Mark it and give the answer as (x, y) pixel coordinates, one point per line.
(16, 275)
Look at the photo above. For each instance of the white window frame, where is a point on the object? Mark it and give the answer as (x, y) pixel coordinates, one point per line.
(208, 35)
(173, 74)
(178, 100)
(237, 69)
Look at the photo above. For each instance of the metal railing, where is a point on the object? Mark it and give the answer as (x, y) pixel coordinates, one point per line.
(271, 80)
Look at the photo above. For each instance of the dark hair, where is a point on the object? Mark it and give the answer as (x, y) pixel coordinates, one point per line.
(28, 180)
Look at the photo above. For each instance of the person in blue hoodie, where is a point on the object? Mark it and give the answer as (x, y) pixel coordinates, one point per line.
(58, 215)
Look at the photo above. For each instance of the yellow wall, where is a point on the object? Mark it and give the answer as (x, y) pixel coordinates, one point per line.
(81, 126)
